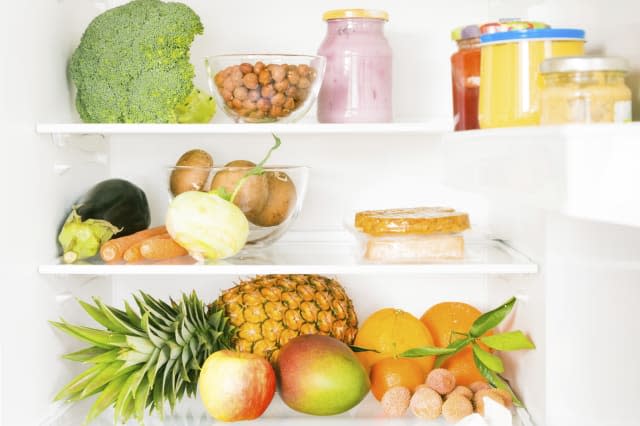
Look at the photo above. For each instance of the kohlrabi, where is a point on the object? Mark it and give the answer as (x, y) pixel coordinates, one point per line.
(208, 224)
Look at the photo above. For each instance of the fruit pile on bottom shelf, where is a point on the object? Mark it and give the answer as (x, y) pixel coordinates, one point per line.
(302, 332)
(191, 413)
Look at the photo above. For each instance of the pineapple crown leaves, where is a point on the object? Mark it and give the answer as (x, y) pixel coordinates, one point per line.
(145, 358)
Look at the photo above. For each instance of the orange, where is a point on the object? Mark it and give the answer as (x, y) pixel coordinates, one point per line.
(391, 332)
(443, 320)
(391, 372)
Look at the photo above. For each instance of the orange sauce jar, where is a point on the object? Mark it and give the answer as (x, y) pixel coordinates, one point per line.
(465, 77)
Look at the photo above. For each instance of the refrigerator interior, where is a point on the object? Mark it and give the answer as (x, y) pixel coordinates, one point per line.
(541, 192)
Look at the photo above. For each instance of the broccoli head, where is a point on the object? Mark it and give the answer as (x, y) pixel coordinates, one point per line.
(132, 66)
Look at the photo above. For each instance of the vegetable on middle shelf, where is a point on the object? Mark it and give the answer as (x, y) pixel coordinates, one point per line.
(112, 207)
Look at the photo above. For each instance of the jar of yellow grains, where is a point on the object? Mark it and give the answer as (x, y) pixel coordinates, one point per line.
(585, 90)
(510, 80)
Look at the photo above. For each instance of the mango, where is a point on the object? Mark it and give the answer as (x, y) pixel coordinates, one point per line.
(320, 375)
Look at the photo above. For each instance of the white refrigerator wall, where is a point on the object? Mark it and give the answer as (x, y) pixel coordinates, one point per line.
(37, 38)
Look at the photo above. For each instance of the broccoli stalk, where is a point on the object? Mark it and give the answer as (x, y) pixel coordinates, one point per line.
(132, 66)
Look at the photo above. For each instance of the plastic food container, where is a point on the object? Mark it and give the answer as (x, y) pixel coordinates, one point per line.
(262, 88)
(585, 90)
(271, 202)
(417, 235)
(465, 77)
(509, 72)
(357, 81)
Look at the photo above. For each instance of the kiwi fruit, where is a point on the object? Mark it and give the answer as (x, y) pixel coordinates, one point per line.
(253, 194)
(281, 200)
(192, 172)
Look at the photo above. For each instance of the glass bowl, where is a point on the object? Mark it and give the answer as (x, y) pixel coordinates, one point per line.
(264, 88)
(271, 202)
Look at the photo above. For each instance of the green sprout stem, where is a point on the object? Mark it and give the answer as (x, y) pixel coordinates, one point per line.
(257, 170)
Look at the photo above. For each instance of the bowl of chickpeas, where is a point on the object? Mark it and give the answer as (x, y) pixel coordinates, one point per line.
(263, 88)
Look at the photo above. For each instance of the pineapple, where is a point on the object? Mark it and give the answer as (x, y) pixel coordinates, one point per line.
(147, 358)
(270, 310)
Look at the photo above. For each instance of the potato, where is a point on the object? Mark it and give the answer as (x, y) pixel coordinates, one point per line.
(252, 196)
(182, 180)
(281, 201)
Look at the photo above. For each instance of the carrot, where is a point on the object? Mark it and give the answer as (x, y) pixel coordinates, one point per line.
(113, 250)
(133, 253)
(161, 248)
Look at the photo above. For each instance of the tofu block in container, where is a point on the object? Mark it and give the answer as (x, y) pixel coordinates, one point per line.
(411, 235)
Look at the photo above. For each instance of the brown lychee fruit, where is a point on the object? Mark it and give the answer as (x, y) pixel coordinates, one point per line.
(395, 401)
(478, 399)
(456, 407)
(441, 381)
(426, 403)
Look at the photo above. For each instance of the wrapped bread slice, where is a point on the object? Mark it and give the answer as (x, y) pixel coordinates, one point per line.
(420, 220)
(415, 235)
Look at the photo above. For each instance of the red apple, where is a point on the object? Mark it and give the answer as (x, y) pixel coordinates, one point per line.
(236, 385)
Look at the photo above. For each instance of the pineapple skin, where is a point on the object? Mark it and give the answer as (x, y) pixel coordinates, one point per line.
(269, 310)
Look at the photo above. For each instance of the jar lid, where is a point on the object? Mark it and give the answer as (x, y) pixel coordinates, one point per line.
(533, 34)
(465, 33)
(584, 63)
(355, 13)
(511, 24)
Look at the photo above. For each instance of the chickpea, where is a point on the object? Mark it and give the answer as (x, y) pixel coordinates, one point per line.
(259, 66)
(250, 80)
(278, 73)
(226, 94)
(263, 104)
(236, 103)
(229, 104)
(264, 77)
(246, 68)
(293, 77)
(304, 83)
(240, 93)
(282, 85)
(268, 91)
(291, 92)
(227, 71)
(228, 84)
(243, 112)
(249, 105)
(254, 95)
(275, 111)
(303, 70)
(219, 79)
(289, 104)
(278, 99)
(292, 68)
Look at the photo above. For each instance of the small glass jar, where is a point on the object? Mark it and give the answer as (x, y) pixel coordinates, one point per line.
(357, 80)
(584, 90)
(465, 77)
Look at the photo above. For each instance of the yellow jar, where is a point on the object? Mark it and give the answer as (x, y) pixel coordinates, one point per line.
(585, 89)
(510, 81)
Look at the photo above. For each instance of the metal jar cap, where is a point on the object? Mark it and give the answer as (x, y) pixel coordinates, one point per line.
(355, 13)
(584, 64)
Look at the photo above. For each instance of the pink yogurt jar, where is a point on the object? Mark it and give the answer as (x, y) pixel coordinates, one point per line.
(357, 81)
